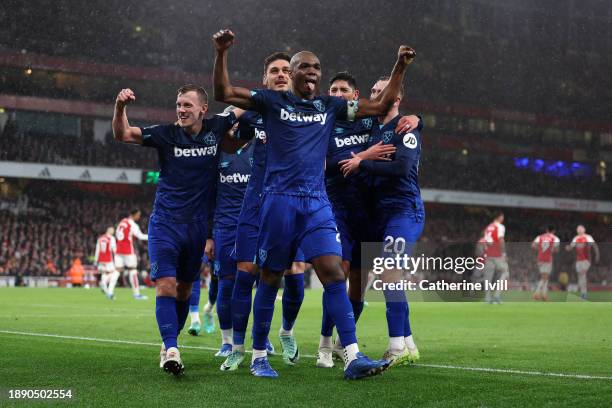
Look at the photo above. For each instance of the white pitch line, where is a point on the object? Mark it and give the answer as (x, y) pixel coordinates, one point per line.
(442, 366)
(510, 371)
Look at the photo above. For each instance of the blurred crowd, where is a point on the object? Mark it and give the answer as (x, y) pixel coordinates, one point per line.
(70, 150)
(59, 224)
(54, 223)
(522, 56)
(439, 168)
(498, 174)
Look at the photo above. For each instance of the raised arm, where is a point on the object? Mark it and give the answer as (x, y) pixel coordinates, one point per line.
(223, 89)
(382, 105)
(122, 131)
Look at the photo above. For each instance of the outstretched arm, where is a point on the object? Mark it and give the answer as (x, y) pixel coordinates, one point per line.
(380, 107)
(223, 89)
(122, 131)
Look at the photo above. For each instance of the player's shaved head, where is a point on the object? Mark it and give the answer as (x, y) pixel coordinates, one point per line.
(300, 56)
(306, 74)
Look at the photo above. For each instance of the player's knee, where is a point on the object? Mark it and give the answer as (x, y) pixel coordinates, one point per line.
(247, 267)
(166, 287)
(329, 269)
(296, 268)
(271, 278)
(346, 268)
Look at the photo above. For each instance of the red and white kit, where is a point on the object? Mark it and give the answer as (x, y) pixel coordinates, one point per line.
(582, 245)
(496, 263)
(493, 233)
(126, 231)
(545, 244)
(105, 248)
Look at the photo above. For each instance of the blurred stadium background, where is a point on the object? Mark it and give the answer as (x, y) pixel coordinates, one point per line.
(516, 99)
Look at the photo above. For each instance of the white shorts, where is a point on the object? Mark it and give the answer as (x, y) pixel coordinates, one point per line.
(127, 261)
(106, 267)
(582, 266)
(493, 265)
(545, 267)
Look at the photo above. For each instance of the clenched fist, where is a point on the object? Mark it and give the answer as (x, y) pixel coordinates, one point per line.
(406, 54)
(125, 97)
(223, 39)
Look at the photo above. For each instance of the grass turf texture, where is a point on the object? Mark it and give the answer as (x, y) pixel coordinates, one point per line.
(567, 338)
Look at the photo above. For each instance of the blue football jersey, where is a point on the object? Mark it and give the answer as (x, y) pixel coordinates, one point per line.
(396, 183)
(188, 167)
(251, 127)
(346, 137)
(234, 174)
(298, 133)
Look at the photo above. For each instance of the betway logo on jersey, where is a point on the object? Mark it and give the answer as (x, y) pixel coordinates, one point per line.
(195, 151)
(260, 134)
(353, 140)
(234, 178)
(303, 117)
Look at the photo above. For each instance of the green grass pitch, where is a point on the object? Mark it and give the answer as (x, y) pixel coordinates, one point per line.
(522, 342)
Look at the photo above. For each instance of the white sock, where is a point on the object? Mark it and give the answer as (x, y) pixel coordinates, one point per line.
(114, 276)
(259, 353)
(397, 343)
(538, 287)
(544, 288)
(337, 344)
(134, 282)
(104, 282)
(371, 279)
(208, 308)
(325, 342)
(238, 347)
(226, 336)
(283, 332)
(410, 342)
(194, 316)
(350, 354)
(582, 283)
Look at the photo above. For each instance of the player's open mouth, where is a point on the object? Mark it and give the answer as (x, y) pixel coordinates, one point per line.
(310, 83)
